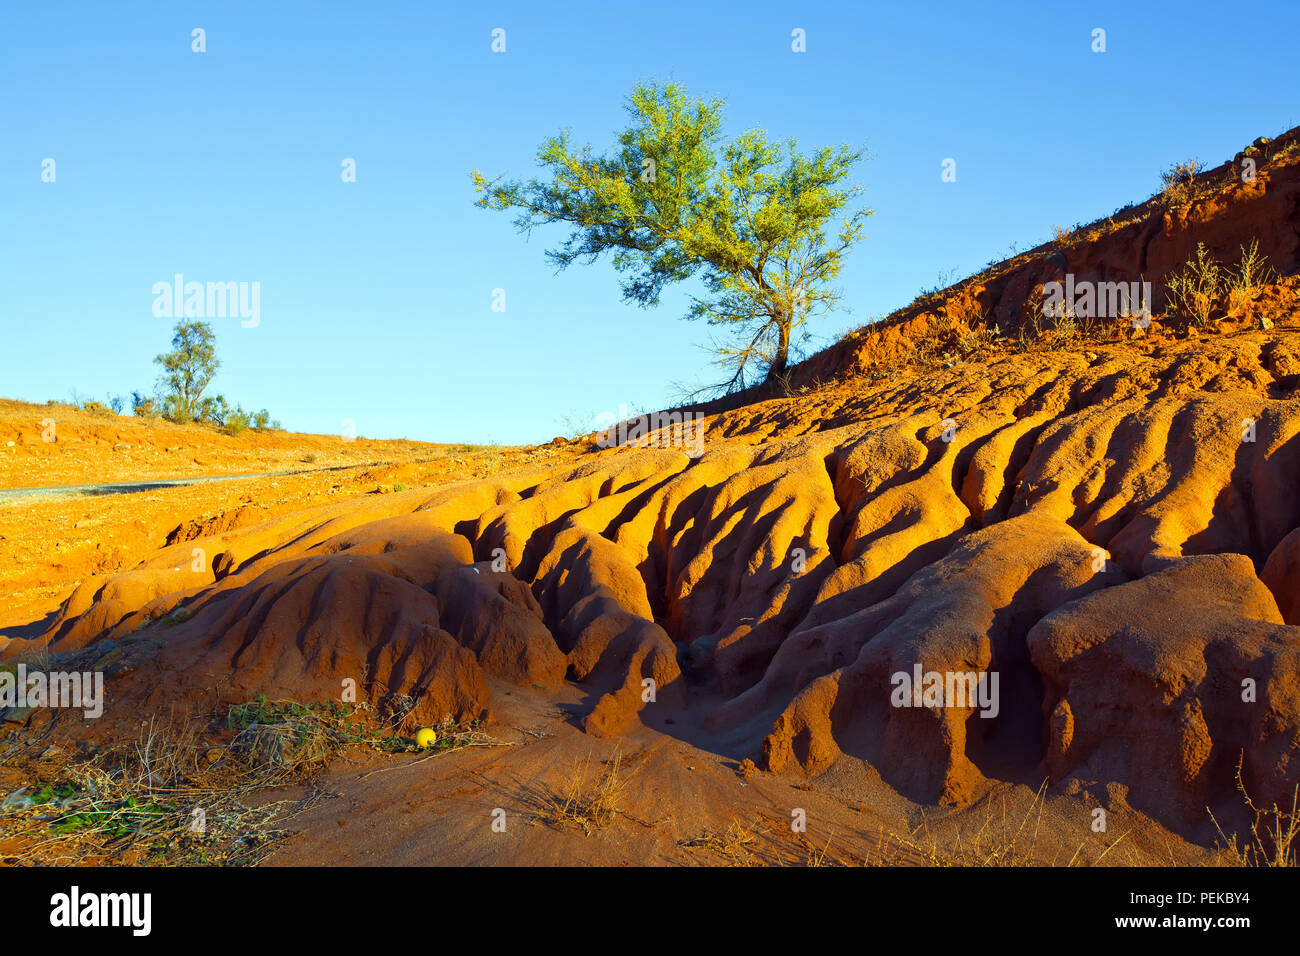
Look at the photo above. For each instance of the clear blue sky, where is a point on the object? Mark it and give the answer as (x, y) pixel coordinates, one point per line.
(376, 295)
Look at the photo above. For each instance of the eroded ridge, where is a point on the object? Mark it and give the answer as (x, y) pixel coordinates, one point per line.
(1114, 536)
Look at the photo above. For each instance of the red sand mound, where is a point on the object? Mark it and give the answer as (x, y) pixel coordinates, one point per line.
(1104, 533)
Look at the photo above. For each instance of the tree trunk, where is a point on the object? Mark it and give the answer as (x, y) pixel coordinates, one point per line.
(782, 349)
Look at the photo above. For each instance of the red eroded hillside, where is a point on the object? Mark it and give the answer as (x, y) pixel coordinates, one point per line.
(1096, 523)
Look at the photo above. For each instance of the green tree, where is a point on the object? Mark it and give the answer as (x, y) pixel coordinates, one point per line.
(145, 406)
(673, 200)
(187, 370)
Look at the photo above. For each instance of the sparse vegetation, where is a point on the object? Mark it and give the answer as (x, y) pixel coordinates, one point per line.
(164, 799)
(571, 426)
(1180, 182)
(177, 797)
(1204, 285)
(188, 370)
(590, 799)
(1250, 275)
(144, 406)
(90, 406)
(1273, 832)
(1193, 291)
(738, 844)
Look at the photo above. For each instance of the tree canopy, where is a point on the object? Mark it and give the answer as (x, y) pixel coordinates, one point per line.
(187, 369)
(673, 200)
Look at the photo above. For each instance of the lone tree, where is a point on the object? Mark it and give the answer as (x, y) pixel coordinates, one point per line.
(673, 200)
(187, 370)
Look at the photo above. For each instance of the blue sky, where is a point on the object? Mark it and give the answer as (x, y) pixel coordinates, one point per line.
(376, 296)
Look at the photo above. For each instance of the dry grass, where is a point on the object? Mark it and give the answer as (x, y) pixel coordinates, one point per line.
(758, 843)
(1250, 276)
(177, 797)
(820, 857)
(960, 332)
(1273, 832)
(164, 799)
(1179, 180)
(591, 798)
(1193, 291)
(997, 838)
(1204, 285)
(740, 844)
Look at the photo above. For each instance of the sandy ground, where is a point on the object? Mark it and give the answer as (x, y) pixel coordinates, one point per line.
(51, 445)
(50, 544)
(681, 800)
(677, 794)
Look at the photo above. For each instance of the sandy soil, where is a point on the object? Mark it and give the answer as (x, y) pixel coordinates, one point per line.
(1105, 520)
(683, 802)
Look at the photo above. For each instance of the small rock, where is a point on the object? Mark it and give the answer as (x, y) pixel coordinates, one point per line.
(1265, 322)
(109, 658)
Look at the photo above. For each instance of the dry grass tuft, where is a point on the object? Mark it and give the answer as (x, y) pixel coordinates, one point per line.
(999, 838)
(740, 844)
(1273, 833)
(164, 799)
(175, 797)
(591, 799)
(1179, 180)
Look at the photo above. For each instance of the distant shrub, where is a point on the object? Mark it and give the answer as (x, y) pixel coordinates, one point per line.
(144, 406)
(398, 486)
(214, 410)
(236, 421)
(176, 411)
(309, 458)
(1180, 182)
(92, 407)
